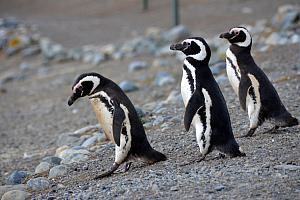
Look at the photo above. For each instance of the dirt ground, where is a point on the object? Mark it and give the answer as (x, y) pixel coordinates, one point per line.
(34, 111)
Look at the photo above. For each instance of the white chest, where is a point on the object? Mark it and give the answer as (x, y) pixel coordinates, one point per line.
(105, 118)
(188, 82)
(233, 71)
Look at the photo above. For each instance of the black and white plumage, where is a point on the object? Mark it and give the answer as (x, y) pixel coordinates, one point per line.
(118, 118)
(205, 105)
(256, 93)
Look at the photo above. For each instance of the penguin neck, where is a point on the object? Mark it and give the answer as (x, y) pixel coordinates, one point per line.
(197, 64)
(238, 50)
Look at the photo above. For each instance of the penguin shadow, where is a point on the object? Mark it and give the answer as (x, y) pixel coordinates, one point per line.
(270, 131)
(206, 158)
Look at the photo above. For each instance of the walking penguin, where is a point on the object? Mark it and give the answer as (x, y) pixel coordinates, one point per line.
(205, 105)
(118, 118)
(256, 93)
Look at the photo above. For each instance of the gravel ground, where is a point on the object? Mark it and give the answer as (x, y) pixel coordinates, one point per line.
(33, 112)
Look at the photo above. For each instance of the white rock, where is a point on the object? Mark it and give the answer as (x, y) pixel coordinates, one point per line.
(42, 167)
(58, 170)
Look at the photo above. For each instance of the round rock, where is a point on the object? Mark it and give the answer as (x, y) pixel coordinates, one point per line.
(17, 177)
(53, 160)
(15, 195)
(40, 183)
(58, 170)
(42, 167)
(128, 86)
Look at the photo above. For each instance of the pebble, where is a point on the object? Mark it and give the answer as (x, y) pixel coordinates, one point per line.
(17, 177)
(42, 167)
(90, 141)
(128, 86)
(219, 187)
(158, 120)
(287, 167)
(31, 51)
(177, 33)
(53, 160)
(222, 80)
(15, 195)
(40, 183)
(137, 65)
(161, 63)
(69, 156)
(86, 130)
(163, 78)
(141, 113)
(58, 170)
(7, 188)
(218, 68)
(174, 97)
(97, 59)
(275, 39)
(68, 139)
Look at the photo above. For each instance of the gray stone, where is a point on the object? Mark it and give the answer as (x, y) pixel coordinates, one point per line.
(90, 141)
(141, 113)
(86, 130)
(219, 187)
(24, 66)
(177, 33)
(58, 170)
(119, 55)
(42, 167)
(128, 86)
(164, 51)
(7, 188)
(101, 137)
(218, 68)
(75, 54)
(17, 177)
(137, 65)
(69, 156)
(68, 139)
(31, 51)
(174, 97)
(287, 167)
(161, 63)
(276, 39)
(222, 80)
(37, 184)
(158, 120)
(53, 160)
(97, 59)
(163, 78)
(295, 39)
(15, 195)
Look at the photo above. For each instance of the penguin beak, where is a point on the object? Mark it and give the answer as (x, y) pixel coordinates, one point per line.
(226, 35)
(178, 47)
(72, 99)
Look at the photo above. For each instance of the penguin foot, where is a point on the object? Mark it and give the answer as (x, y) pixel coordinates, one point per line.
(108, 173)
(249, 133)
(193, 161)
(272, 130)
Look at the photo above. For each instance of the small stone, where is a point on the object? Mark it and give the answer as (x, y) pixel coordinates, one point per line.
(174, 97)
(177, 33)
(295, 39)
(158, 120)
(161, 63)
(222, 80)
(128, 86)
(174, 188)
(87, 130)
(58, 170)
(287, 167)
(108, 50)
(17, 177)
(31, 51)
(52, 160)
(68, 139)
(90, 142)
(163, 78)
(7, 188)
(219, 187)
(24, 66)
(275, 39)
(37, 184)
(42, 167)
(97, 59)
(137, 65)
(15, 195)
(218, 68)
(141, 113)
(69, 156)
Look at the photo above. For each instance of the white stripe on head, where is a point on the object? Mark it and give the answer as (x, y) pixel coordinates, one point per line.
(202, 54)
(248, 39)
(94, 79)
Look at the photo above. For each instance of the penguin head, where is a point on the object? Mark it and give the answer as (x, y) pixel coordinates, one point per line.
(239, 36)
(84, 85)
(195, 47)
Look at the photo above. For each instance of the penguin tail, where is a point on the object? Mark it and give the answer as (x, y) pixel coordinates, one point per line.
(152, 156)
(231, 148)
(286, 120)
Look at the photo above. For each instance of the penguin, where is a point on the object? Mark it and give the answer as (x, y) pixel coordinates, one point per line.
(118, 118)
(205, 106)
(256, 93)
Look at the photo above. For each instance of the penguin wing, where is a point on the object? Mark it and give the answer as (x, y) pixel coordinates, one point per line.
(244, 86)
(194, 104)
(118, 119)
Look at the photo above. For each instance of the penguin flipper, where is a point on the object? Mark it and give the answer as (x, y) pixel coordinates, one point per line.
(194, 104)
(244, 85)
(118, 119)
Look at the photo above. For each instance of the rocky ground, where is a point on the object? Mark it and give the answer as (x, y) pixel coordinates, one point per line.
(45, 153)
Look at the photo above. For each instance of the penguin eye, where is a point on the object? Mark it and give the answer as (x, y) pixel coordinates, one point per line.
(79, 88)
(236, 32)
